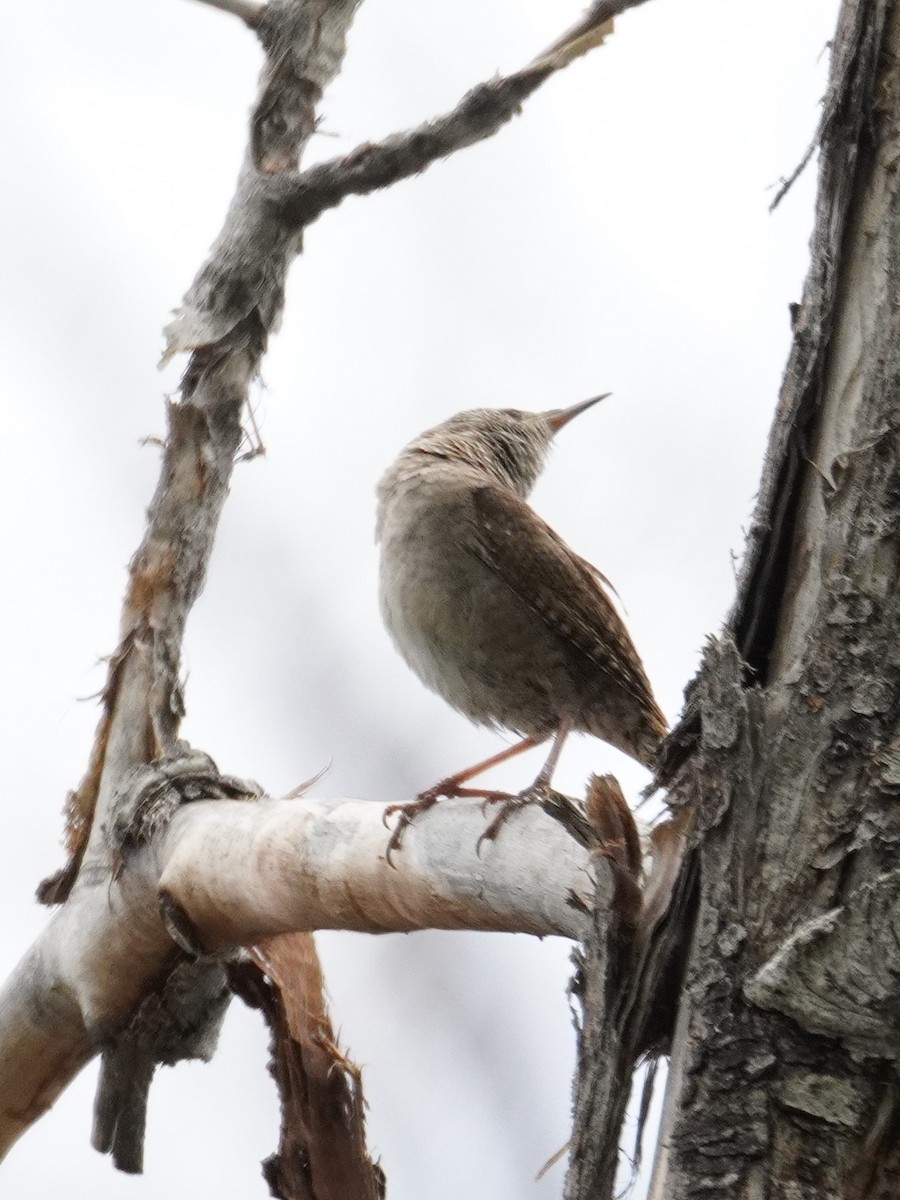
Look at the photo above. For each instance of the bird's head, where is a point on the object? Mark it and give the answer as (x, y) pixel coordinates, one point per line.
(509, 445)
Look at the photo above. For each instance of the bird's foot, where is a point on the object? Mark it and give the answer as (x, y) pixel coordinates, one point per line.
(537, 793)
(408, 813)
(427, 799)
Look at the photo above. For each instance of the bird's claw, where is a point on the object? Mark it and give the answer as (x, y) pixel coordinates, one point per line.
(493, 798)
(536, 794)
(408, 812)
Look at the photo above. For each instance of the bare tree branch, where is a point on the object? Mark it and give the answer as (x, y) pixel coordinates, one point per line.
(480, 114)
(142, 702)
(241, 871)
(230, 872)
(587, 32)
(249, 11)
(304, 43)
(247, 267)
(322, 1153)
(106, 951)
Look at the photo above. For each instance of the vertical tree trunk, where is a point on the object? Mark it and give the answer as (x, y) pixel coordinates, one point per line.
(785, 1044)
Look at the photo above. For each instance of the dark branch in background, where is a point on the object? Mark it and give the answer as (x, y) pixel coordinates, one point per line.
(786, 184)
(480, 114)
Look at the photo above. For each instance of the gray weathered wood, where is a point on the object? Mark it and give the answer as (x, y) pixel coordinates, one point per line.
(784, 1029)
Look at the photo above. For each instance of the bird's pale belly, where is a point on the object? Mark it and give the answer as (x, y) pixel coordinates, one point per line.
(454, 622)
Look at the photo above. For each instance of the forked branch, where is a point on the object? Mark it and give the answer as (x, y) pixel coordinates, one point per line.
(108, 943)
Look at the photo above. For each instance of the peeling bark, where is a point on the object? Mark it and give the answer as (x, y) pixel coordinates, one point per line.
(196, 876)
(785, 1041)
(322, 1154)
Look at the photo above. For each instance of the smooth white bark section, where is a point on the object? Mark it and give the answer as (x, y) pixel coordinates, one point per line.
(242, 871)
(43, 1045)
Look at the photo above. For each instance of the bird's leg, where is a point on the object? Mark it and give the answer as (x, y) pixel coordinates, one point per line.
(452, 786)
(537, 791)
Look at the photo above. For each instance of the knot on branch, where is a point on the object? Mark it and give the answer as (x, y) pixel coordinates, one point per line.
(181, 1018)
(150, 795)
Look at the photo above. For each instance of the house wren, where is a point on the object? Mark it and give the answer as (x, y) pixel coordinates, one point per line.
(492, 610)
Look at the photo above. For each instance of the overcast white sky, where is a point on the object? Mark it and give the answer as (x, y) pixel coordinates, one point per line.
(614, 238)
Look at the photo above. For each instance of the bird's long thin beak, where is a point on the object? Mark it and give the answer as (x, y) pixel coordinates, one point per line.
(557, 417)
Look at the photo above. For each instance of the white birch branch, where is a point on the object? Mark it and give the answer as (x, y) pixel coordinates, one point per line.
(243, 870)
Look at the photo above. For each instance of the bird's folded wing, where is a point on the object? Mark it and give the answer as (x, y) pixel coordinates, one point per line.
(562, 589)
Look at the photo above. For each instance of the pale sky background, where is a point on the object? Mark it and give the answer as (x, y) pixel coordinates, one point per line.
(614, 238)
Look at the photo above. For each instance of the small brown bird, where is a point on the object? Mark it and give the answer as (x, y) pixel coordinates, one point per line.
(493, 611)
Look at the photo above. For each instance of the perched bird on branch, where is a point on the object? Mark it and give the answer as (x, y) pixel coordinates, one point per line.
(493, 611)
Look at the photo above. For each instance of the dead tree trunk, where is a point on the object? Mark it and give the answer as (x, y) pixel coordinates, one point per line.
(783, 1013)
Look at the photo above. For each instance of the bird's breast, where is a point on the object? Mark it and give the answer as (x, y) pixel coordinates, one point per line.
(456, 624)
(425, 591)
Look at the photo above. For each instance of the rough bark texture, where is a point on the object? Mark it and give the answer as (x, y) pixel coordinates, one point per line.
(627, 980)
(322, 1153)
(779, 928)
(783, 1079)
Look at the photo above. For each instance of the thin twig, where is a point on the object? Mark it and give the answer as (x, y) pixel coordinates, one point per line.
(786, 184)
(249, 11)
(587, 32)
